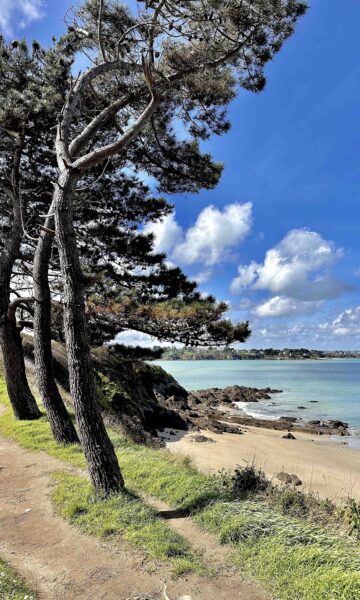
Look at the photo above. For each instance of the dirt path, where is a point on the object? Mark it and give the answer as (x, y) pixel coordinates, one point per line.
(63, 564)
(214, 554)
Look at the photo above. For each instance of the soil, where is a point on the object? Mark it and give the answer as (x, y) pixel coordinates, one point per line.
(61, 563)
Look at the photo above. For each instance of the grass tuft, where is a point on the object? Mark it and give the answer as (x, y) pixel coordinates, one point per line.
(12, 587)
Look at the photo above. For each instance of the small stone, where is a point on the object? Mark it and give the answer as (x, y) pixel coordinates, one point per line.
(289, 436)
(202, 438)
(284, 477)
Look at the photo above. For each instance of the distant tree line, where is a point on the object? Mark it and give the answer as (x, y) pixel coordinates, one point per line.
(190, 353)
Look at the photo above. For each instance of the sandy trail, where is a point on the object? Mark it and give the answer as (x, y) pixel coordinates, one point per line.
(63, 564)
(330, 469)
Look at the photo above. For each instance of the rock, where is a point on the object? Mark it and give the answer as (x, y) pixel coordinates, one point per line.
(290, 419)
(302, 407)
(316, 422)
(295, 480)
(284, 477)
(172, 432)
(201, 439)
(289, 479)
(229, 395)
(313, 401)
(288, 436)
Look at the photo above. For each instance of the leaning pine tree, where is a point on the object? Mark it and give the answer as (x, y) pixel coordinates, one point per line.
(18, 71)
(143, 67)
(30, 111)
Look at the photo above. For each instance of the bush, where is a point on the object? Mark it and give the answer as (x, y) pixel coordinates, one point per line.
(245, 481)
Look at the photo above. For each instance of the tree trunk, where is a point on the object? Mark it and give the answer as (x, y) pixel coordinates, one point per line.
(102, 463)
(61, 424)
(21, 398)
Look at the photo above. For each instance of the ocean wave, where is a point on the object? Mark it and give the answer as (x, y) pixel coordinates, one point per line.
(249, 409)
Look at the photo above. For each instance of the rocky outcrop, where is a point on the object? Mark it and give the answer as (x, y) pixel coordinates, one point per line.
(136, 397)
(234, 393)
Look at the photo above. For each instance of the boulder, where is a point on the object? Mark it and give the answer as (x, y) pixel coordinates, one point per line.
(289, 479)
(284, 477)
(288, 436)
(202, 439)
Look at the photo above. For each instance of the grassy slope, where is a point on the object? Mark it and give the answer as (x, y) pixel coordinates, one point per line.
(12, 587)
(289, 555)
(73, 498)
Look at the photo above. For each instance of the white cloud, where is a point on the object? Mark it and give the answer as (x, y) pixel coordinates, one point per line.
(167, 233)
(136, 338)
(346, 323)
(296, 268)
(296, 272)
(214, 233)
(203, 276)
(20, 13)
(281, 306)
(208, 241)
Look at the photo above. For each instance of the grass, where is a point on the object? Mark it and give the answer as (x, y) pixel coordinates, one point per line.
(123, 515)
(12, 587)
(74, 499)
(286, 540)
(286, 554)
(157, 473)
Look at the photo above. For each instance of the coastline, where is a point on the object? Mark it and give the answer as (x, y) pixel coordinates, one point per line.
(327, 468)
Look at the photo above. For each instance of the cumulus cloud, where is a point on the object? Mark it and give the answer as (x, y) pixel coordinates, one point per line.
(19, 12)
(209, 240)
(296, 268)
(281, 306)
(296, 272)
(214, 233)
(346, 323)
(167, 233)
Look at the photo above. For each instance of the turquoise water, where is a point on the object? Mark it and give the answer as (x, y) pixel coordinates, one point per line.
(335, 384)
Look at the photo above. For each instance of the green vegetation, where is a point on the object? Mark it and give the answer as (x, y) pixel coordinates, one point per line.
(288, 555)
(124, 515)
(190, 353)
(12, 587)
(291, 542)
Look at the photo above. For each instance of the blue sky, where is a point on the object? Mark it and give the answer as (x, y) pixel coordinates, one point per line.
(278, 238)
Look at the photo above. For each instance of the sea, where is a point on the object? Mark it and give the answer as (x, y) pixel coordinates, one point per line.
(333, 383)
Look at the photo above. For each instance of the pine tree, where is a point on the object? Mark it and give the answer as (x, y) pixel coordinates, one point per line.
(17, 72)
(154, 64)
(29, 97)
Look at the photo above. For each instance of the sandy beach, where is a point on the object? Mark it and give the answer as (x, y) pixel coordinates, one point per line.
(328, 468)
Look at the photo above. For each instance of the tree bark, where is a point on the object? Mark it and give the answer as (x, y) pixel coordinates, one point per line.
(101, 459)
(21, 398)
(61, 424)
